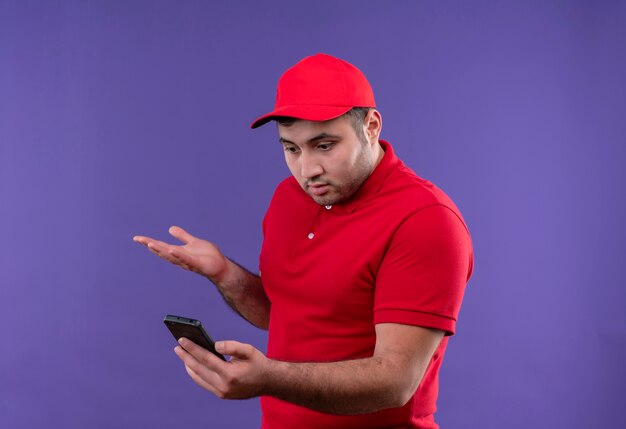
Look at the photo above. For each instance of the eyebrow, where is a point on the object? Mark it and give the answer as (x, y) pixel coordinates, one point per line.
(322, 136)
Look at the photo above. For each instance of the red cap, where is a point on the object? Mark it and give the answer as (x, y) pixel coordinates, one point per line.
(319, 88)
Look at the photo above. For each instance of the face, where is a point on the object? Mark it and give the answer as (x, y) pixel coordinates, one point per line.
(327, 158)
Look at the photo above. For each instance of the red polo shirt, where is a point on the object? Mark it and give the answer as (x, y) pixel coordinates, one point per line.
(397, 251)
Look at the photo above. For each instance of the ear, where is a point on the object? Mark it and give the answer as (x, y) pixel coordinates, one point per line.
(373, 125)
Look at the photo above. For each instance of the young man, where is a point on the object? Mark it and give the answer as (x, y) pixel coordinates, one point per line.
(362, 271)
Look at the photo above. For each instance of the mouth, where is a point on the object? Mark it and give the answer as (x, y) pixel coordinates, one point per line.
(319, 189)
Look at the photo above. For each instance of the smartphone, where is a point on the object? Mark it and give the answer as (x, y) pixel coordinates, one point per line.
(192, 330)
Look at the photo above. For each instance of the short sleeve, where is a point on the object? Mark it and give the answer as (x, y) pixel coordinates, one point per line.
(422, 278)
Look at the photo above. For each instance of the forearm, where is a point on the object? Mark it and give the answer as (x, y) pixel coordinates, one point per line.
(347, 387)
(244, 293)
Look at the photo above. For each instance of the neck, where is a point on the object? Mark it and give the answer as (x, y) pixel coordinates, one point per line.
(377, 154)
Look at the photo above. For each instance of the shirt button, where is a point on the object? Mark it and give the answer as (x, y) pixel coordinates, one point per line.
(328, 207)
(311, 235)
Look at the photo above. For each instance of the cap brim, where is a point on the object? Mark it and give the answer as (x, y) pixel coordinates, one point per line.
(307, 113)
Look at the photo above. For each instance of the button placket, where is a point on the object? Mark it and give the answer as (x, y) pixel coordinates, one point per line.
(306, 239)
(327, 207)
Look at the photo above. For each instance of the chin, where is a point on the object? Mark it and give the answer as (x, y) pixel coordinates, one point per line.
(333, 196)
(327, 200)
(323, 200)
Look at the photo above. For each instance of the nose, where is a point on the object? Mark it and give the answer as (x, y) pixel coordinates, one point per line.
(310, 166)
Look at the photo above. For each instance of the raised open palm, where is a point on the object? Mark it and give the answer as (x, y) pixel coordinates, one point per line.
(195, 254)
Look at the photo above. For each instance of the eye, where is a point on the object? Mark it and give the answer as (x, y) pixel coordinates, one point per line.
(325, 146)
(291, 149)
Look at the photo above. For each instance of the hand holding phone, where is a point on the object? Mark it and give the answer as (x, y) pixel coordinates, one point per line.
(193, 330)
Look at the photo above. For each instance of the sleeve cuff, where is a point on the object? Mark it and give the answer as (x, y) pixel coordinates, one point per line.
(416, 318)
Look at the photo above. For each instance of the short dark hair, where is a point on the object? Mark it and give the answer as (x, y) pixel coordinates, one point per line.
(356, 116)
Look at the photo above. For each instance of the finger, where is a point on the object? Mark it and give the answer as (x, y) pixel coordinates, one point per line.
(235, 349)
(202, 376)
(155, 246)
(142, 239)
(152, 244)
(158, 244)
(184, 260)
(167, 252)
(181, 234)
(200, 369)
(154, 251)
(202, 356)
(201, 382)
(162, 250)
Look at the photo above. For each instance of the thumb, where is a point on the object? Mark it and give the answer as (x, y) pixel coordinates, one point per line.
(235, 349)
(181, 234)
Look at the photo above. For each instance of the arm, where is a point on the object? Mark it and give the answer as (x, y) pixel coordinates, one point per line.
(388, 379)
(241, 289)
(244, 293)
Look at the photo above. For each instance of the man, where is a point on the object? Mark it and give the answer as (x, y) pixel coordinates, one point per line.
(362, 271)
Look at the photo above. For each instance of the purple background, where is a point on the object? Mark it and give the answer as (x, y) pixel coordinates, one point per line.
(123, 118)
